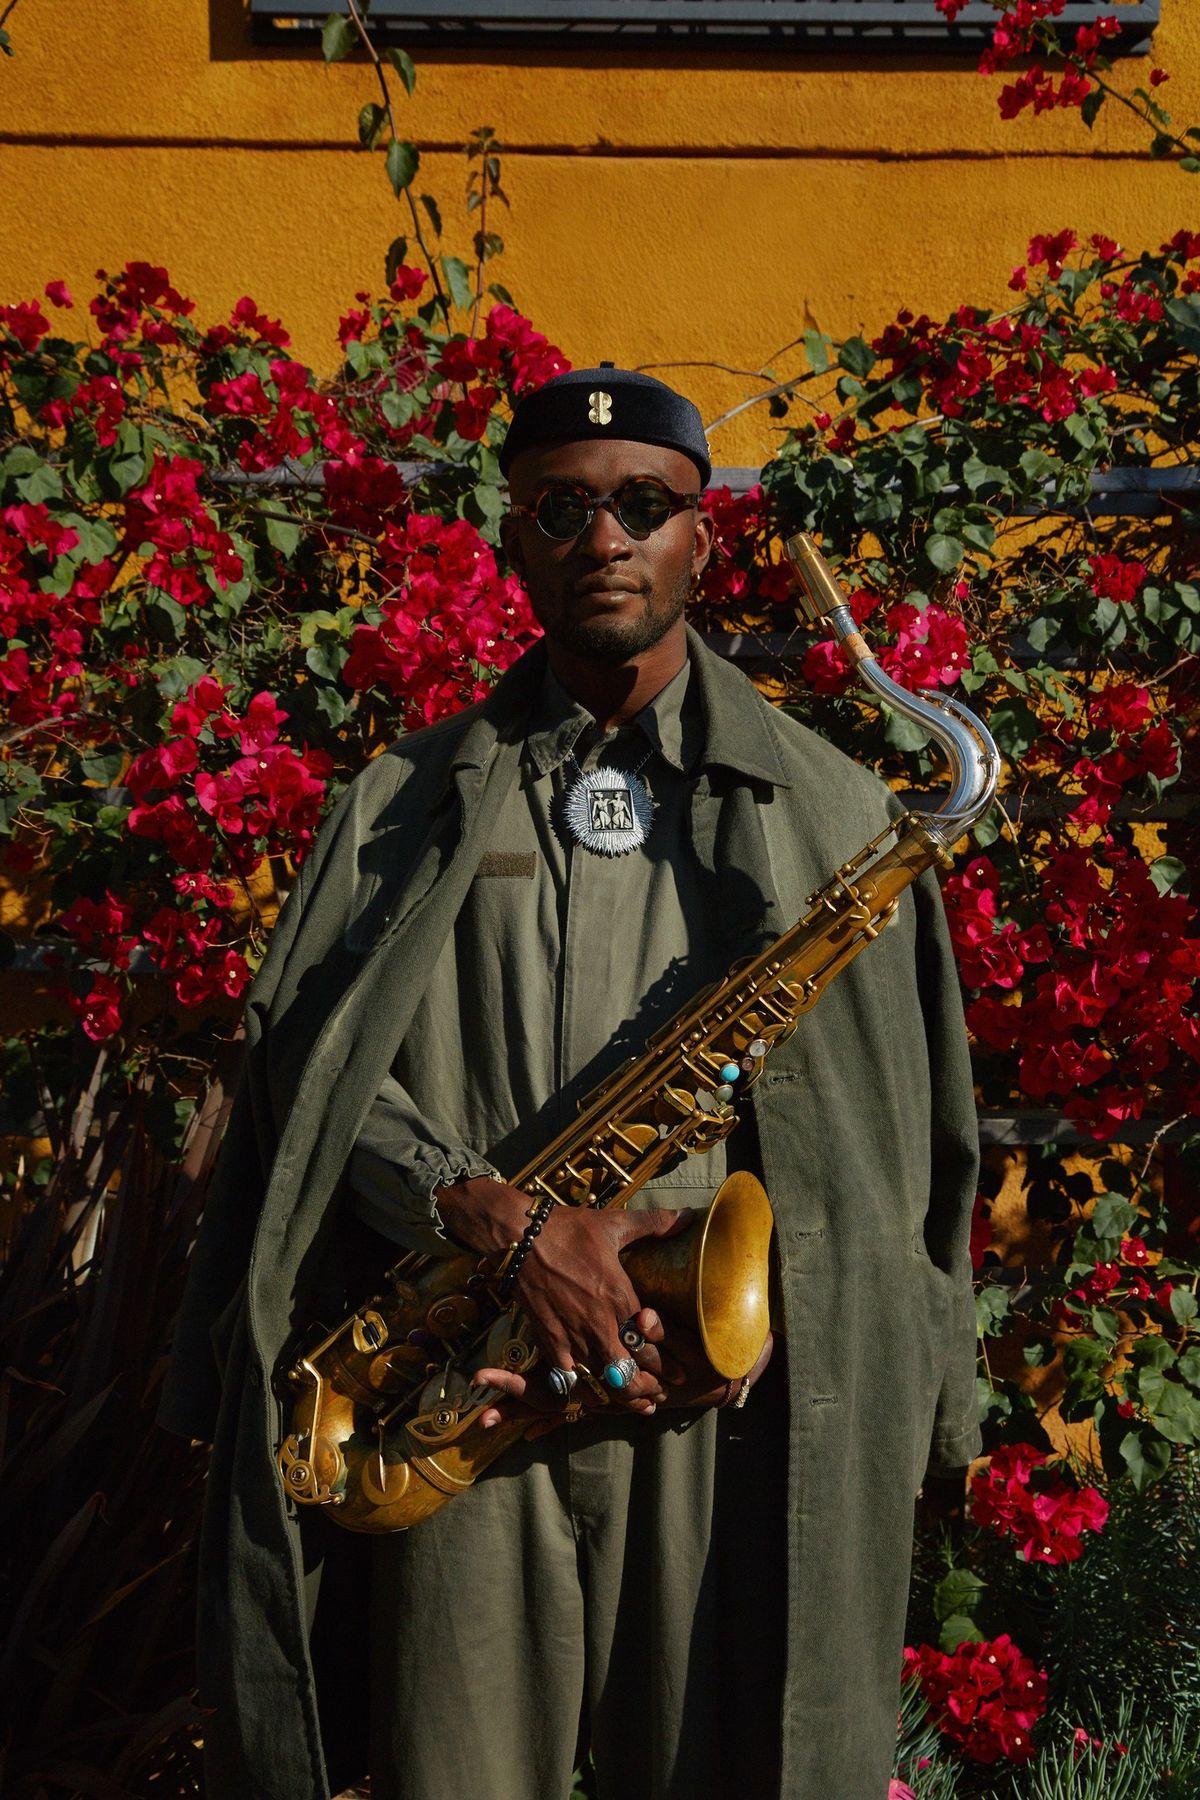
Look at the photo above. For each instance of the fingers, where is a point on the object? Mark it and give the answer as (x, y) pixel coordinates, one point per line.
(654, 1221)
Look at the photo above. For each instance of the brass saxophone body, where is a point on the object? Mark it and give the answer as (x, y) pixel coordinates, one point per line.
(385, 1422)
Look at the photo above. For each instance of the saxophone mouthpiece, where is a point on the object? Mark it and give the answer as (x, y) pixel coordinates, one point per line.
(821, 598)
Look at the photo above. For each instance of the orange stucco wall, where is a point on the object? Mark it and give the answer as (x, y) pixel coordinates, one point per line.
(687, 209)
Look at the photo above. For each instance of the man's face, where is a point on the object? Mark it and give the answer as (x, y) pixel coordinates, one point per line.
(605, 595)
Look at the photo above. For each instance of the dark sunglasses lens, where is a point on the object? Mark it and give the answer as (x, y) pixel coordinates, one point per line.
(562, 513)
(643, 506)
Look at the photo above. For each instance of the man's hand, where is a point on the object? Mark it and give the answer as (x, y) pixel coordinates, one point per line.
(571, 1286)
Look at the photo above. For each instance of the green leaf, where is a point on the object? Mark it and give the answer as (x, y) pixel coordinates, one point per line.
(1190, 165)
(1174, 1412)
(987, 830)
(403, 161)
(1189, 1366)
(1105, 1324)
(398, 408)
(97, 539)
(857, 356)
(957, 1592)
(1035, 465)
(1183, 1305)
(1184, 314)
(338, 38)
(42, 483)
(327, 660)
(1112, 1216)
(397, 252)
(1146, 1457)
(404, 66)
(1015, 727)
(1152, 1353)
(283, 535)
(1036, 1355)
(371, 120)
(458, 280)
(903, 732)
(315, 623)
(434, 211)
(489, 500)
(1167, 872)
(956, 1630)
(1091, 106)
(1042, 631)
(104, 765)
(991, 1310)
(945, 553)
(817, 347)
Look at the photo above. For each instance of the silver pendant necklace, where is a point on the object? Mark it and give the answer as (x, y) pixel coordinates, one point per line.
(607, 810)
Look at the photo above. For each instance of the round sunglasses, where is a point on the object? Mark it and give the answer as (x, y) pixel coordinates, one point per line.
(640, 504)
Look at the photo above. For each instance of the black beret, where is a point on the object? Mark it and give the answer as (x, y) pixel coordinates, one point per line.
(607, 402)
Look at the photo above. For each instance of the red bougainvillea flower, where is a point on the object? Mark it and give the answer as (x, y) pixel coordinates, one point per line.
(1053, 251)
(27, 323)
(247, 318)
(1017, 1497)
(99, 1010)
(169, 514)
(986, 1697)
(407, 283)
(447, 613)
(1112, 578)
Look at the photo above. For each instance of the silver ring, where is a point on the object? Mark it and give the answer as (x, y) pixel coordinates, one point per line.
(631, 1337)
(561, 1382)
(621, 1372)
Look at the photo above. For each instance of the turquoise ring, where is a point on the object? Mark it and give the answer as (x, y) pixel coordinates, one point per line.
(620, 1373)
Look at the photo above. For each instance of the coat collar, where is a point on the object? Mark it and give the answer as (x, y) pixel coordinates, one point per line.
(738, 724)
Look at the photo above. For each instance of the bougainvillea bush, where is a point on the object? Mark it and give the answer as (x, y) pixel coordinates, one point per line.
(227, 584)
(1009, 496)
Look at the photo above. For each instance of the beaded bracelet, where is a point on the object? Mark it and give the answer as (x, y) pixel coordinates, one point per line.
(518, 1252)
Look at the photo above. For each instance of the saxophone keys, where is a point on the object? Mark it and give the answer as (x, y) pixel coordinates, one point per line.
(369, 1331)
(506, 1348)
(452, 1316)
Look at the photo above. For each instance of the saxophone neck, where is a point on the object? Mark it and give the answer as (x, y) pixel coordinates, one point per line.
(963, 739)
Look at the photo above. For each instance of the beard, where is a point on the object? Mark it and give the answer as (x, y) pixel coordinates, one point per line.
(616, 640)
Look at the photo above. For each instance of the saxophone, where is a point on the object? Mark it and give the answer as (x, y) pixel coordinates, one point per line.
(384, 1417)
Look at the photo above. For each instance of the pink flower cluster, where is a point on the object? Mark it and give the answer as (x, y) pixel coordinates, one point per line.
(184, 942)
(271, 794)
(1016, 1497)
(447, 615)
(986, 1697)
(929, 648)
(971, 358)
(168, 513)
(1116, 1005)
(740, 571)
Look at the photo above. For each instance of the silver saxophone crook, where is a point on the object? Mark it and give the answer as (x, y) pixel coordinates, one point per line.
(966, 742)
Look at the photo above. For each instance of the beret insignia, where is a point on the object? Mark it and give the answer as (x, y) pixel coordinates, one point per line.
(599, 407)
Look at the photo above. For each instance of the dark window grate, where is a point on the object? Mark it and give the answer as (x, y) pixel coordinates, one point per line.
(772, 25)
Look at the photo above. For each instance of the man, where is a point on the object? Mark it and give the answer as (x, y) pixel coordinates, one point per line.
(711, 1595)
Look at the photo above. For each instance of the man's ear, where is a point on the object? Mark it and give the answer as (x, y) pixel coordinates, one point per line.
(702, 549)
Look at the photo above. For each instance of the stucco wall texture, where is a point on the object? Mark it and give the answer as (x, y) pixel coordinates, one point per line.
(666, 210)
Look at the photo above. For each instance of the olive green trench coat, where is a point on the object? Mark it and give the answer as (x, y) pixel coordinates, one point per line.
(866, 1128)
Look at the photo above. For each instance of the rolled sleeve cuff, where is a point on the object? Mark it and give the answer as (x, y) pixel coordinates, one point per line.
(395, 1194)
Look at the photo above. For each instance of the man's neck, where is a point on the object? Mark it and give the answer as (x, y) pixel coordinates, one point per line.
(616, 693)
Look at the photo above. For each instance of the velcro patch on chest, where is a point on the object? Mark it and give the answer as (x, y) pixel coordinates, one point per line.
(521, 864)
